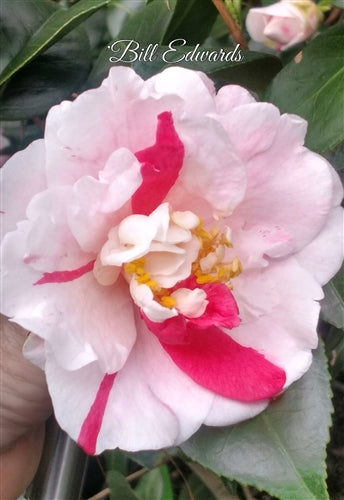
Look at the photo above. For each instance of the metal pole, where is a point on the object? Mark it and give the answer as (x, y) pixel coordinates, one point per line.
(61, 473)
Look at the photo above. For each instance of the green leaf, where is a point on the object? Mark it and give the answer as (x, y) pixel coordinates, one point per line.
(338, 3)
(119, 488)
(198, 488)
(48, 79)
(213, 482)
(192, 20)
(282, 450)
(155, 485)
(149, 459)
(18, 20)
(313, 89)
(334, 342)
(54, 28)
(116, 460)
(332, 306)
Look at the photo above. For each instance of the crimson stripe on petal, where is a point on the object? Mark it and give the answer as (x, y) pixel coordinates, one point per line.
(215, 361)
(91, 426)
(160, 167)
(64, 276)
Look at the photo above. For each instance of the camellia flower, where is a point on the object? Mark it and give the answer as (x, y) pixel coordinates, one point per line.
(284, 24)
(167, 247)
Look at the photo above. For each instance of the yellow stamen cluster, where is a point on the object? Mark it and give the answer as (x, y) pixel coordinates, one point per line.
(137, 267)
(210, 242)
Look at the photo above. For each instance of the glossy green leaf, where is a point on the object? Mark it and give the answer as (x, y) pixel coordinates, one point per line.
(198, 489)
(149, 459)
(119, 488)
(116, 460)
(213, 482)
(49, 78)
(18, 21)
(314, 89)
(155, 485)
(282, 450)
(53, 29)
(334, 342)
(192, 19)
(332, 306)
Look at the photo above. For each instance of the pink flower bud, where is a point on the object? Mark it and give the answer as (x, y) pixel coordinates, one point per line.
(284, 24)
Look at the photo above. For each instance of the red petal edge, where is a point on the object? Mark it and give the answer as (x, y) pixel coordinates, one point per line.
(161, 164)
(91, 426)
(64, 276)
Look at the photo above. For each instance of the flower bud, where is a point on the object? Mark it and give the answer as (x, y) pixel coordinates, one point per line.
(284, 24)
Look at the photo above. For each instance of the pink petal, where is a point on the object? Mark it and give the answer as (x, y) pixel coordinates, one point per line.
(231, 96)
(323, 257)
(226, 411)
(195, 89)
(161, 164)
(294, 180)
(96, 205)
(144, 409)
(212, 168)
(24, 176)
(279, 310)
(80, 319)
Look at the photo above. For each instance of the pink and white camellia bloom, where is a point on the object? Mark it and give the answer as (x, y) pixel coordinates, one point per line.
(167, 245)
(284, 24)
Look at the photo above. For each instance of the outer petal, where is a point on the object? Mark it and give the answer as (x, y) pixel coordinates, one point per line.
(231, 96)
(324, 255)
(102, 328)
(279, 311)
(226, 411)
(195, 88)
(146, 391)
(252, 127)
(282, 186)
(24, 176)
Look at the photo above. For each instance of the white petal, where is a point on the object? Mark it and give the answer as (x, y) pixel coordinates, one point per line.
(190, 303)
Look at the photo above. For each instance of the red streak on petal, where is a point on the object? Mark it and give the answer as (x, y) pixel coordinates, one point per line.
(217, 362)
(160, 167)
(171, 331)
(64, 276)
(91, 426)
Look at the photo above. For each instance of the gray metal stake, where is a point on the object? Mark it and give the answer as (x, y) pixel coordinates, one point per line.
(62, 469)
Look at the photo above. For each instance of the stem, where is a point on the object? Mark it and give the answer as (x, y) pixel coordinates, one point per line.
(235, 30)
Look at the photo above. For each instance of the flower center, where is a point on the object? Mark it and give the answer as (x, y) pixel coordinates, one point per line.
(167, 258)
